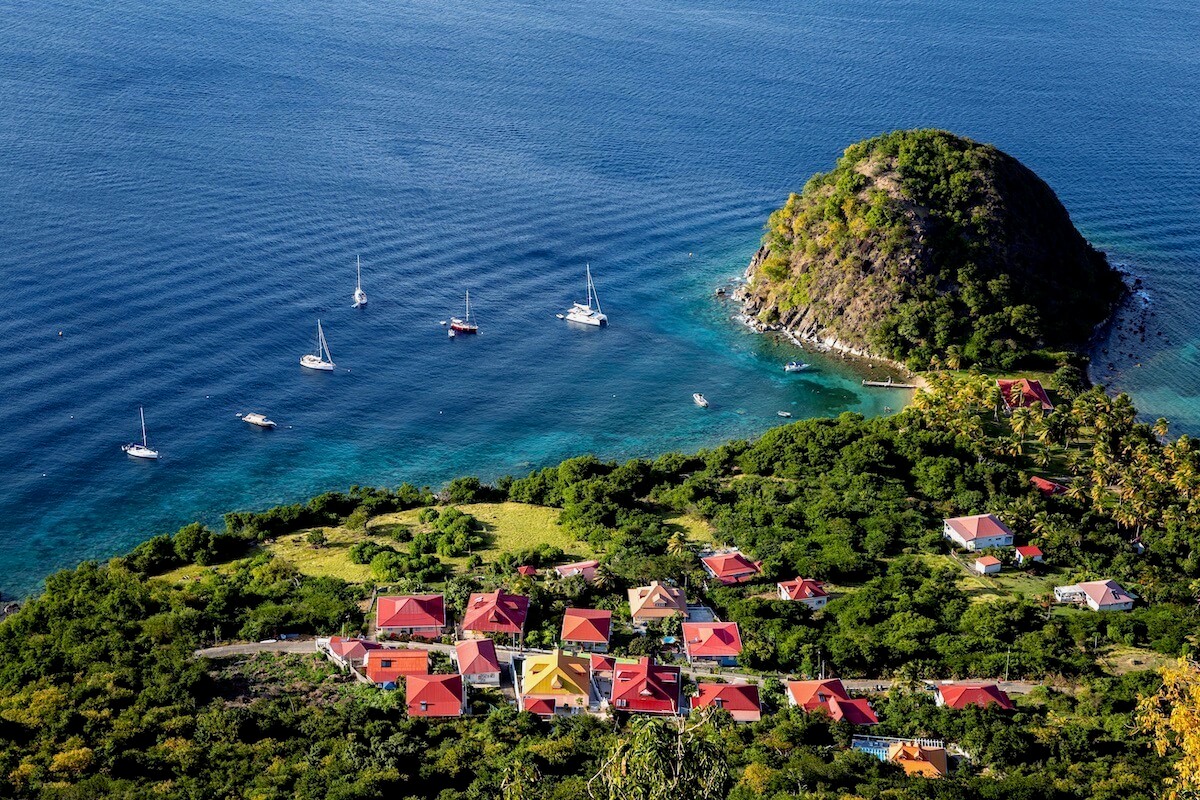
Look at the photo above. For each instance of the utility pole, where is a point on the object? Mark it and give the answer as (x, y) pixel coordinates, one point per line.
(1007, 654)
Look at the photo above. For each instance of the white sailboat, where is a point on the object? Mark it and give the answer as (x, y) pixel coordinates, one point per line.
(140, 450)
(360, 297)
(465, 325)
(322, 359)
(585, 314)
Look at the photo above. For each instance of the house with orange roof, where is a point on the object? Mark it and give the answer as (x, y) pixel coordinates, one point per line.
(804, 590)
(585, 569)
(712, 643)
(386, 666)
(656, 601)
(477, 662)
(987, 565)
(587, 628)
(977, 532)
(960, 695)
(435, 696)
(419, 615)
(731, 568)
(527, 571)
(346, 653)
(495, 612)
(554, 683)
(1024, 393)
(919, 760)
(1105, 595)
(831, 698)
(739, 699)
(646, 688)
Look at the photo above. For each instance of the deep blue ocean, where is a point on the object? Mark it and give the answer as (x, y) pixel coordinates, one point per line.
(184, 187)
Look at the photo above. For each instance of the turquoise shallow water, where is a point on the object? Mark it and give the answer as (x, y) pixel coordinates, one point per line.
(186, 186)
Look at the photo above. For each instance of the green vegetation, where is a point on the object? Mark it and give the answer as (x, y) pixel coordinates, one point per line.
(100, 695)
(925, 247)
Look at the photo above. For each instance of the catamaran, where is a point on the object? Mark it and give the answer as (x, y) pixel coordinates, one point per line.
(464, 325)
(360, 297)
(322, 359)
(258, 419)
(585, 314)
(140, 450)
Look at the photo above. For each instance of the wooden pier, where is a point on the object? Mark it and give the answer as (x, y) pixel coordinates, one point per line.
(890, 384)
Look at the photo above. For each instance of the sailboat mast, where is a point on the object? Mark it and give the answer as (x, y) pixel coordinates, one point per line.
(142, 412)
(358, 262)
(468, 306)
(592, 290)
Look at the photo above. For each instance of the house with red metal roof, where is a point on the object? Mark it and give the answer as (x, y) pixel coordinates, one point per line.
(739, 699)
(495, 612)
(587, 629)
(960, 695)
(1105, 595)
(435, 696)
(1029, 553)
(585, 569)
(527, 571)
(346, 652)
(1024, 393)
(1047, 487)
(804, 590)
(386, 666)
(420, 615)
(712, 642)
(656, 601)
(830, 697)
(602, 665)
(977, 532)
(731, 568)
(477, 662)
(646, 688)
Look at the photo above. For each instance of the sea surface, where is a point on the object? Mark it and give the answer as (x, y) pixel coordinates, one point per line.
(184, 188)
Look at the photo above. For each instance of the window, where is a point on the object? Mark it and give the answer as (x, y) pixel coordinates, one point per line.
(385, 663)
(424, 705)
(621, 703)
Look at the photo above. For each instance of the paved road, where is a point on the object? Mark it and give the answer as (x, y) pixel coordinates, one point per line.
(505, 655)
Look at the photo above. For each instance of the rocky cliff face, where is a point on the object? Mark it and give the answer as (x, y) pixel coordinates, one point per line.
(921, 245)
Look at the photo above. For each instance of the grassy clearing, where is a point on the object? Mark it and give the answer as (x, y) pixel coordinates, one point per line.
(1010, 583)
(1122, 659)
(694, 527)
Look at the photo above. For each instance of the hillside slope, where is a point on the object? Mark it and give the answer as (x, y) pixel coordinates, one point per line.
(923, 244)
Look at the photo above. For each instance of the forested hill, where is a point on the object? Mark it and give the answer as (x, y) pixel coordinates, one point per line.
(922, 244)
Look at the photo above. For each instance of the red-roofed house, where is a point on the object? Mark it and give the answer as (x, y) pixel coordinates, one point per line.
(646, 688)
(495, 612)
(1028, 552)
(421, 615)
(732, 568)
(739, 699)
(527, 571)
(346, 652)
(987, 565)
(1024, 393)
(712, 642)
(1106, 595)
(803, 590)
(386, 666)
(477, 662)
(589, 628)
(960, 695)
(831, 698)
(586, 569)
(603, 666)
(1048, 488)
(435, 696)
(977, 532)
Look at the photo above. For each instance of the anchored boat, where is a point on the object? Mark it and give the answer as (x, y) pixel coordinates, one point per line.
(584, 314)
(464, 325)
(141, 450)
(322, 360)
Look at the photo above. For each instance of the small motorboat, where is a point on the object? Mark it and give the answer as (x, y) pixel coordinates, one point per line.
(795, 366)
(699, 400)
(451, 333)
(560, 316)
(785, 414)
(259, 420)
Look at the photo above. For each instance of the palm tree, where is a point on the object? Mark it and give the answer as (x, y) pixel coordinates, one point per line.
(603, 578)
(661, 760)
(1022, 421)
(677, 545)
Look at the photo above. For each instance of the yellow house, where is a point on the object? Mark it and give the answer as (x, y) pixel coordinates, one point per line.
(555, 683)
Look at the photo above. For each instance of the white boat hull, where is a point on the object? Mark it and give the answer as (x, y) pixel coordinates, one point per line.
(258, 420)
(314, 363)
(360, 298)
(140, 451)
(587, 317)
(699, 400)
